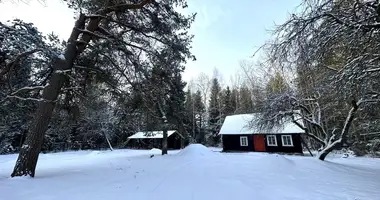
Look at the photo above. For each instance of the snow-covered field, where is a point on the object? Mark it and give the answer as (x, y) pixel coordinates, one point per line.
(194, 173)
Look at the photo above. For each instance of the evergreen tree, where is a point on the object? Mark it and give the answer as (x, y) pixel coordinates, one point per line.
(126, 41)
(235, 100)
(24, 52)
(227, 102)
(200, 114)
(176, 110)
(245, 101)
(276, 84)
(189, 113)
(214, 111)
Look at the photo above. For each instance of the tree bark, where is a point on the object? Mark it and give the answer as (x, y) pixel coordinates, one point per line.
(343, 137)
(165, 142)
(27, 160)
(322, 155)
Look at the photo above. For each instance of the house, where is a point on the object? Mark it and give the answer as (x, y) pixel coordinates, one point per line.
(238, 135)
(153, 139)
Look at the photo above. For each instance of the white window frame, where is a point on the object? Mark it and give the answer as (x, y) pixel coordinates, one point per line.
(243, 138)
(275, 140)
(291, 140)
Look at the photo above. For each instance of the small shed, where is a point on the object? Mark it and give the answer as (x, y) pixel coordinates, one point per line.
(153, 139)
(238, 135)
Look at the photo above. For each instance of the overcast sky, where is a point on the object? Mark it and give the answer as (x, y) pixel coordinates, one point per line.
(225, 31)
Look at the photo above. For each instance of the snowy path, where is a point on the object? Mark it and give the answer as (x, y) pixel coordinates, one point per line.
(196, 173)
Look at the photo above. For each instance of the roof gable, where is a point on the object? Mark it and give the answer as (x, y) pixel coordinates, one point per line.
(150, 134)
(239, 125)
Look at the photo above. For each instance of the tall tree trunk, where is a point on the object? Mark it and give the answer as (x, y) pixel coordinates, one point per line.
(108, 141)
(27, 160)
(165, 141)
(164, 134)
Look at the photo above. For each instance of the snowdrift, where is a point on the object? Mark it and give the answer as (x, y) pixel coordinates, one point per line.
(155, 151)
(277, 159)
(196, 150)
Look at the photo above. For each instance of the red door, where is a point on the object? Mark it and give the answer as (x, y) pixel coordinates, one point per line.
(259, 142)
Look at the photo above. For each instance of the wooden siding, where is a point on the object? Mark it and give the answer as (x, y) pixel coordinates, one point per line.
(232, 143)
(296, 148)
(174, 141)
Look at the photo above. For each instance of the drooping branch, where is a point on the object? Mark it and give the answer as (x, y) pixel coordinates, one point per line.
(308, 132)
(18, 58)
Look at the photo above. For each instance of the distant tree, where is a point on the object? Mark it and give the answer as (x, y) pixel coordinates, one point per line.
(227, 102)
(200, 113)
(235, 100)
(214, 110)
(190, 113)
(276, 84)
(176, 110)
(204, 85)
(245, 101)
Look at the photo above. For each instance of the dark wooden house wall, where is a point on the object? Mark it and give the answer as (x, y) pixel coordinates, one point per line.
(174, 141)
(232, 143)
(296, 148)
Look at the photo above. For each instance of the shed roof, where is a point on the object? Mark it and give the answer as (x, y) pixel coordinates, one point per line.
(239, 124)
(150, 134)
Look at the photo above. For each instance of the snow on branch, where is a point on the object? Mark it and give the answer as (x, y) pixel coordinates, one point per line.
(307, 115)
(28, 89)
(71, 88)
(95, 16)
(92, 33)
(125, 6)
(62, 71)
(24, 89)
(373, 70)
(28, 99)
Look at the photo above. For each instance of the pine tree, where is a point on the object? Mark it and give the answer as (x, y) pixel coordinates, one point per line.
(110, 28)
(176, 110)
(23, 54)
(235, 100)
(227, 102)
(276, 84)
(189, 113)
(214, 110)
(200, 112)
(245, 101)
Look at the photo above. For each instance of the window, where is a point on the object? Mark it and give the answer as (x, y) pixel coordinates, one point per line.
(271, 140)
(243, 141)
(287, 140)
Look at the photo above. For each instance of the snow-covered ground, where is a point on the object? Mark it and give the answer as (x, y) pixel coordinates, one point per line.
(194, 173)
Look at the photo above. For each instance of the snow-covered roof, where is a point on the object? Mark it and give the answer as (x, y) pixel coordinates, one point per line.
(150, 134)
(240, 124)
